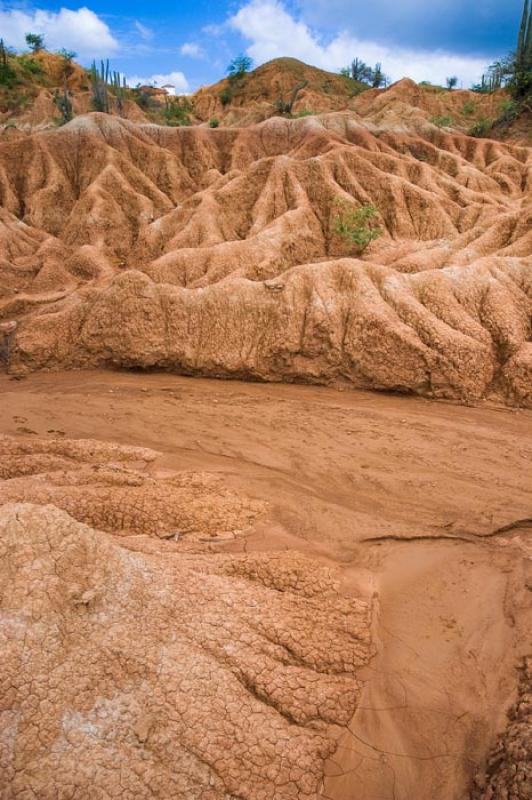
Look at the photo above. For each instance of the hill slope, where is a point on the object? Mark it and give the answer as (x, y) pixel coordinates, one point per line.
(214, 252)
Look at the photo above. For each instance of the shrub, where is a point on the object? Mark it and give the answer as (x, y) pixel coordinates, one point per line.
(481, 128)
(468, 108)
(214, 122)
(451, 82)
(29, 64)
(442, 122)
(226, 95)
(177, 110)
(357, 226)
(509, 110)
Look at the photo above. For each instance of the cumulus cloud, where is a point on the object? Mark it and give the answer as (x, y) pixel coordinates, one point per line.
(192, 50)
(273, 32)
(176, 79)
(81, 30)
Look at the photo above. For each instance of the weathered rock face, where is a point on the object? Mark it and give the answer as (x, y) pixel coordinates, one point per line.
(508, 771)
(133, 668)
(214, 252)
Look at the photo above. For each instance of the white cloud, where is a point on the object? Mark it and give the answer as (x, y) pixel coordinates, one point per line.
(192, 50)
(146, 33)
(81, 30)
(273, 32)
(176, 79)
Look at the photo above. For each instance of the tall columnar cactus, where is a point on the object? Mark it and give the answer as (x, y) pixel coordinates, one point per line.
(63, 101)
(99, 81)
(118, 86)
(523, 54)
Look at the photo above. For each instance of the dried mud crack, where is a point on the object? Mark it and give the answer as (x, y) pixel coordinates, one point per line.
(217, 590)
(179, 619)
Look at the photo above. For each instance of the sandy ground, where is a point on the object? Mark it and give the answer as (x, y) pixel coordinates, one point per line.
(424, 505)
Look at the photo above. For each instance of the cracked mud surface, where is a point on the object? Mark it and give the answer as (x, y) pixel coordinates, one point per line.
(223, 590)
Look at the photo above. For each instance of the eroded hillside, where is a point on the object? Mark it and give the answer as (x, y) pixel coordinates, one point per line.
(214, 252)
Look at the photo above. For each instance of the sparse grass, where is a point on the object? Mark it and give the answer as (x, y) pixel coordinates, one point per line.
(442, 122)
(357, 226)
(31, 65)
(305, 112)
(469, 108)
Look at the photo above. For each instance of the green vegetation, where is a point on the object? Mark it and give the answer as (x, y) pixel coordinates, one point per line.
(63, 101)
(35, 42)
(214, 122)
(236, 73)
(515, 70)
(226, 95)
(31, 66)
(7, 74)
(481, 128)
(451, 82)
(357, 226)
(177, 111)
(358, 70)
(468, 109)
(99, 83)
(239, 66)
(509, 110)
(442, 122)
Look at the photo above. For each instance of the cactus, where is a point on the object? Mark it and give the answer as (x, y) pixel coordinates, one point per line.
(119, 87)
(99, 81)
(102, 81)
(285, 106)
(522, 78)
(64, 104)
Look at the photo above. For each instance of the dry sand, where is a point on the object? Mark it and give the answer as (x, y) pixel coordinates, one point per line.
(419, 512)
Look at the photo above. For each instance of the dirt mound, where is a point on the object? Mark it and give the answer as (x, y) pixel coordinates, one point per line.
(254, 96)
(159, 668)
(215, 252)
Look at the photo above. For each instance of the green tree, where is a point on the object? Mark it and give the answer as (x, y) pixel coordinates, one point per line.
(35, 42)
(451, 82)
(239, 66)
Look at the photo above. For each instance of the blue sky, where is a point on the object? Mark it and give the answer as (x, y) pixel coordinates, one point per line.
(191, 43)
